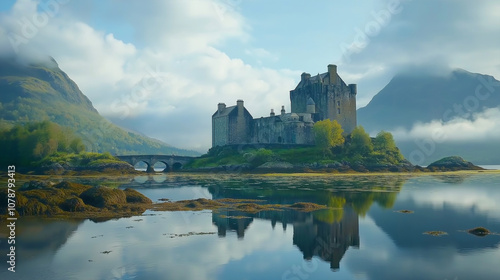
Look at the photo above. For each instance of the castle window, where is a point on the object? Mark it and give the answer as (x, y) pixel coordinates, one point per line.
(301, 118)
(338, 103)
(280, 139)
(338, 111)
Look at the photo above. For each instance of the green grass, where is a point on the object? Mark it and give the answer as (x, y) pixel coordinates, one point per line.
(84, 159)
(227, 155)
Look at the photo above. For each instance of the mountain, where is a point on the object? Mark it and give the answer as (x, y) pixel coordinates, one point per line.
(408, 99)
(421, 98)
(42, 91)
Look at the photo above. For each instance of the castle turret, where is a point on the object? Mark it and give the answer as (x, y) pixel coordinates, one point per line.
(221, 107)
(353, 88)
(239, 104)
(332, 73)
(272, 113)
(311, 106)
(305, 76)
(283, 110)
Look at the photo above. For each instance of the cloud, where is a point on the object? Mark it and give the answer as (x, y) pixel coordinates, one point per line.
(162, 68)
(481, 126)
(442, 33)
(165, 84)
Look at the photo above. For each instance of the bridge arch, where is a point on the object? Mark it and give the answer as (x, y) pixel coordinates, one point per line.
(176, 166)
(149, 167)
(167, 166)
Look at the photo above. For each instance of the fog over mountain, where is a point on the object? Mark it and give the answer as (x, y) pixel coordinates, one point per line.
(437, 114)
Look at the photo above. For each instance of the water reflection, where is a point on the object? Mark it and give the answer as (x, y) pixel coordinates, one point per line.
(325, 233)
(36, 237)
(360, 237)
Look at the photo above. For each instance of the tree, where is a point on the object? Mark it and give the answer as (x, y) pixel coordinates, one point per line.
(384, 144)
(328, 134)
(25, 144)
(77, 145)
(361, 143)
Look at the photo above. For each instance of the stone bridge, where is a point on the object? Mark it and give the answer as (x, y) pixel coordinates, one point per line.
(172, 162)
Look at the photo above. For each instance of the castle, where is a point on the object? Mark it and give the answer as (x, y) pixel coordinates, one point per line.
(324, 96)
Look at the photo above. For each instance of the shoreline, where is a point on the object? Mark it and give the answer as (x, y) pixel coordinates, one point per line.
(28, 177)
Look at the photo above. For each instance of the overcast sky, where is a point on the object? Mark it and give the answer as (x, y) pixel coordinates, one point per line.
(161, 67)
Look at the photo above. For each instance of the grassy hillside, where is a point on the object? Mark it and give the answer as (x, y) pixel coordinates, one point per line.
(44, 92)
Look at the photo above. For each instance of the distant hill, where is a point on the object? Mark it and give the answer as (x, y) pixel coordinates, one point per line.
(408, 99)
(42, 91)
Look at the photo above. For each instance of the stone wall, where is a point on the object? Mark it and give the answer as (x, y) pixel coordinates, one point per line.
(281, 130)
(220, 131)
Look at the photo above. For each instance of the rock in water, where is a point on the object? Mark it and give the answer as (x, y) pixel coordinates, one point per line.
(453, 163)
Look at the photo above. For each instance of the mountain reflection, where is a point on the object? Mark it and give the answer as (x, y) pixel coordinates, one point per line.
(40, 236)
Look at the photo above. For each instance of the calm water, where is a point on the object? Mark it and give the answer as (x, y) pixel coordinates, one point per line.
(361, 237)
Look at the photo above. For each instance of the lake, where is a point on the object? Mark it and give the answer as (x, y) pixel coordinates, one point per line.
(363, 235)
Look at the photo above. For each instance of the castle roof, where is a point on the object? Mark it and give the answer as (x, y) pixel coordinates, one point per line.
(310, 101)
(316, 79)
(226, 111)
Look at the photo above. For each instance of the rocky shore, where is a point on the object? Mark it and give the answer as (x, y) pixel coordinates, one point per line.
(453, 163)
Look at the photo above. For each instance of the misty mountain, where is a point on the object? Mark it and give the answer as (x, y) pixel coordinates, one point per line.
(409, 99)
(36, 91)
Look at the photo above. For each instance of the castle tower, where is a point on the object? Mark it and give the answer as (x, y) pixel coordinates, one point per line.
(333, 98)
(221, 107)
(332, 74)
(231, 125)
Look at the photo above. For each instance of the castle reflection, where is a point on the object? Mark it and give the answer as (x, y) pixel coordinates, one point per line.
(313, 237)
(326, 233)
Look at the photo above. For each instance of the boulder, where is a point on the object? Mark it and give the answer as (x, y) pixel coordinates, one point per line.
(103, 197)
(74, 204)
(134, 196)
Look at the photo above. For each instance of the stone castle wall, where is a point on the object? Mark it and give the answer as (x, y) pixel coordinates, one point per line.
(331, 99)
(279, 130)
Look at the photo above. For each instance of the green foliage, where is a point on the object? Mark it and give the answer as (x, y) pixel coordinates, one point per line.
(218, 156)
(335, 211)
(83, 159)
(361, 143)
(384, 142)
(328, 134)
(300, 155)
(24, 144)
(451, 160)
(358, 149)
(260, 157)
(385, 148)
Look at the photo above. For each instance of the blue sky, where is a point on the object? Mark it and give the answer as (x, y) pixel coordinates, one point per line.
(156, 64)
